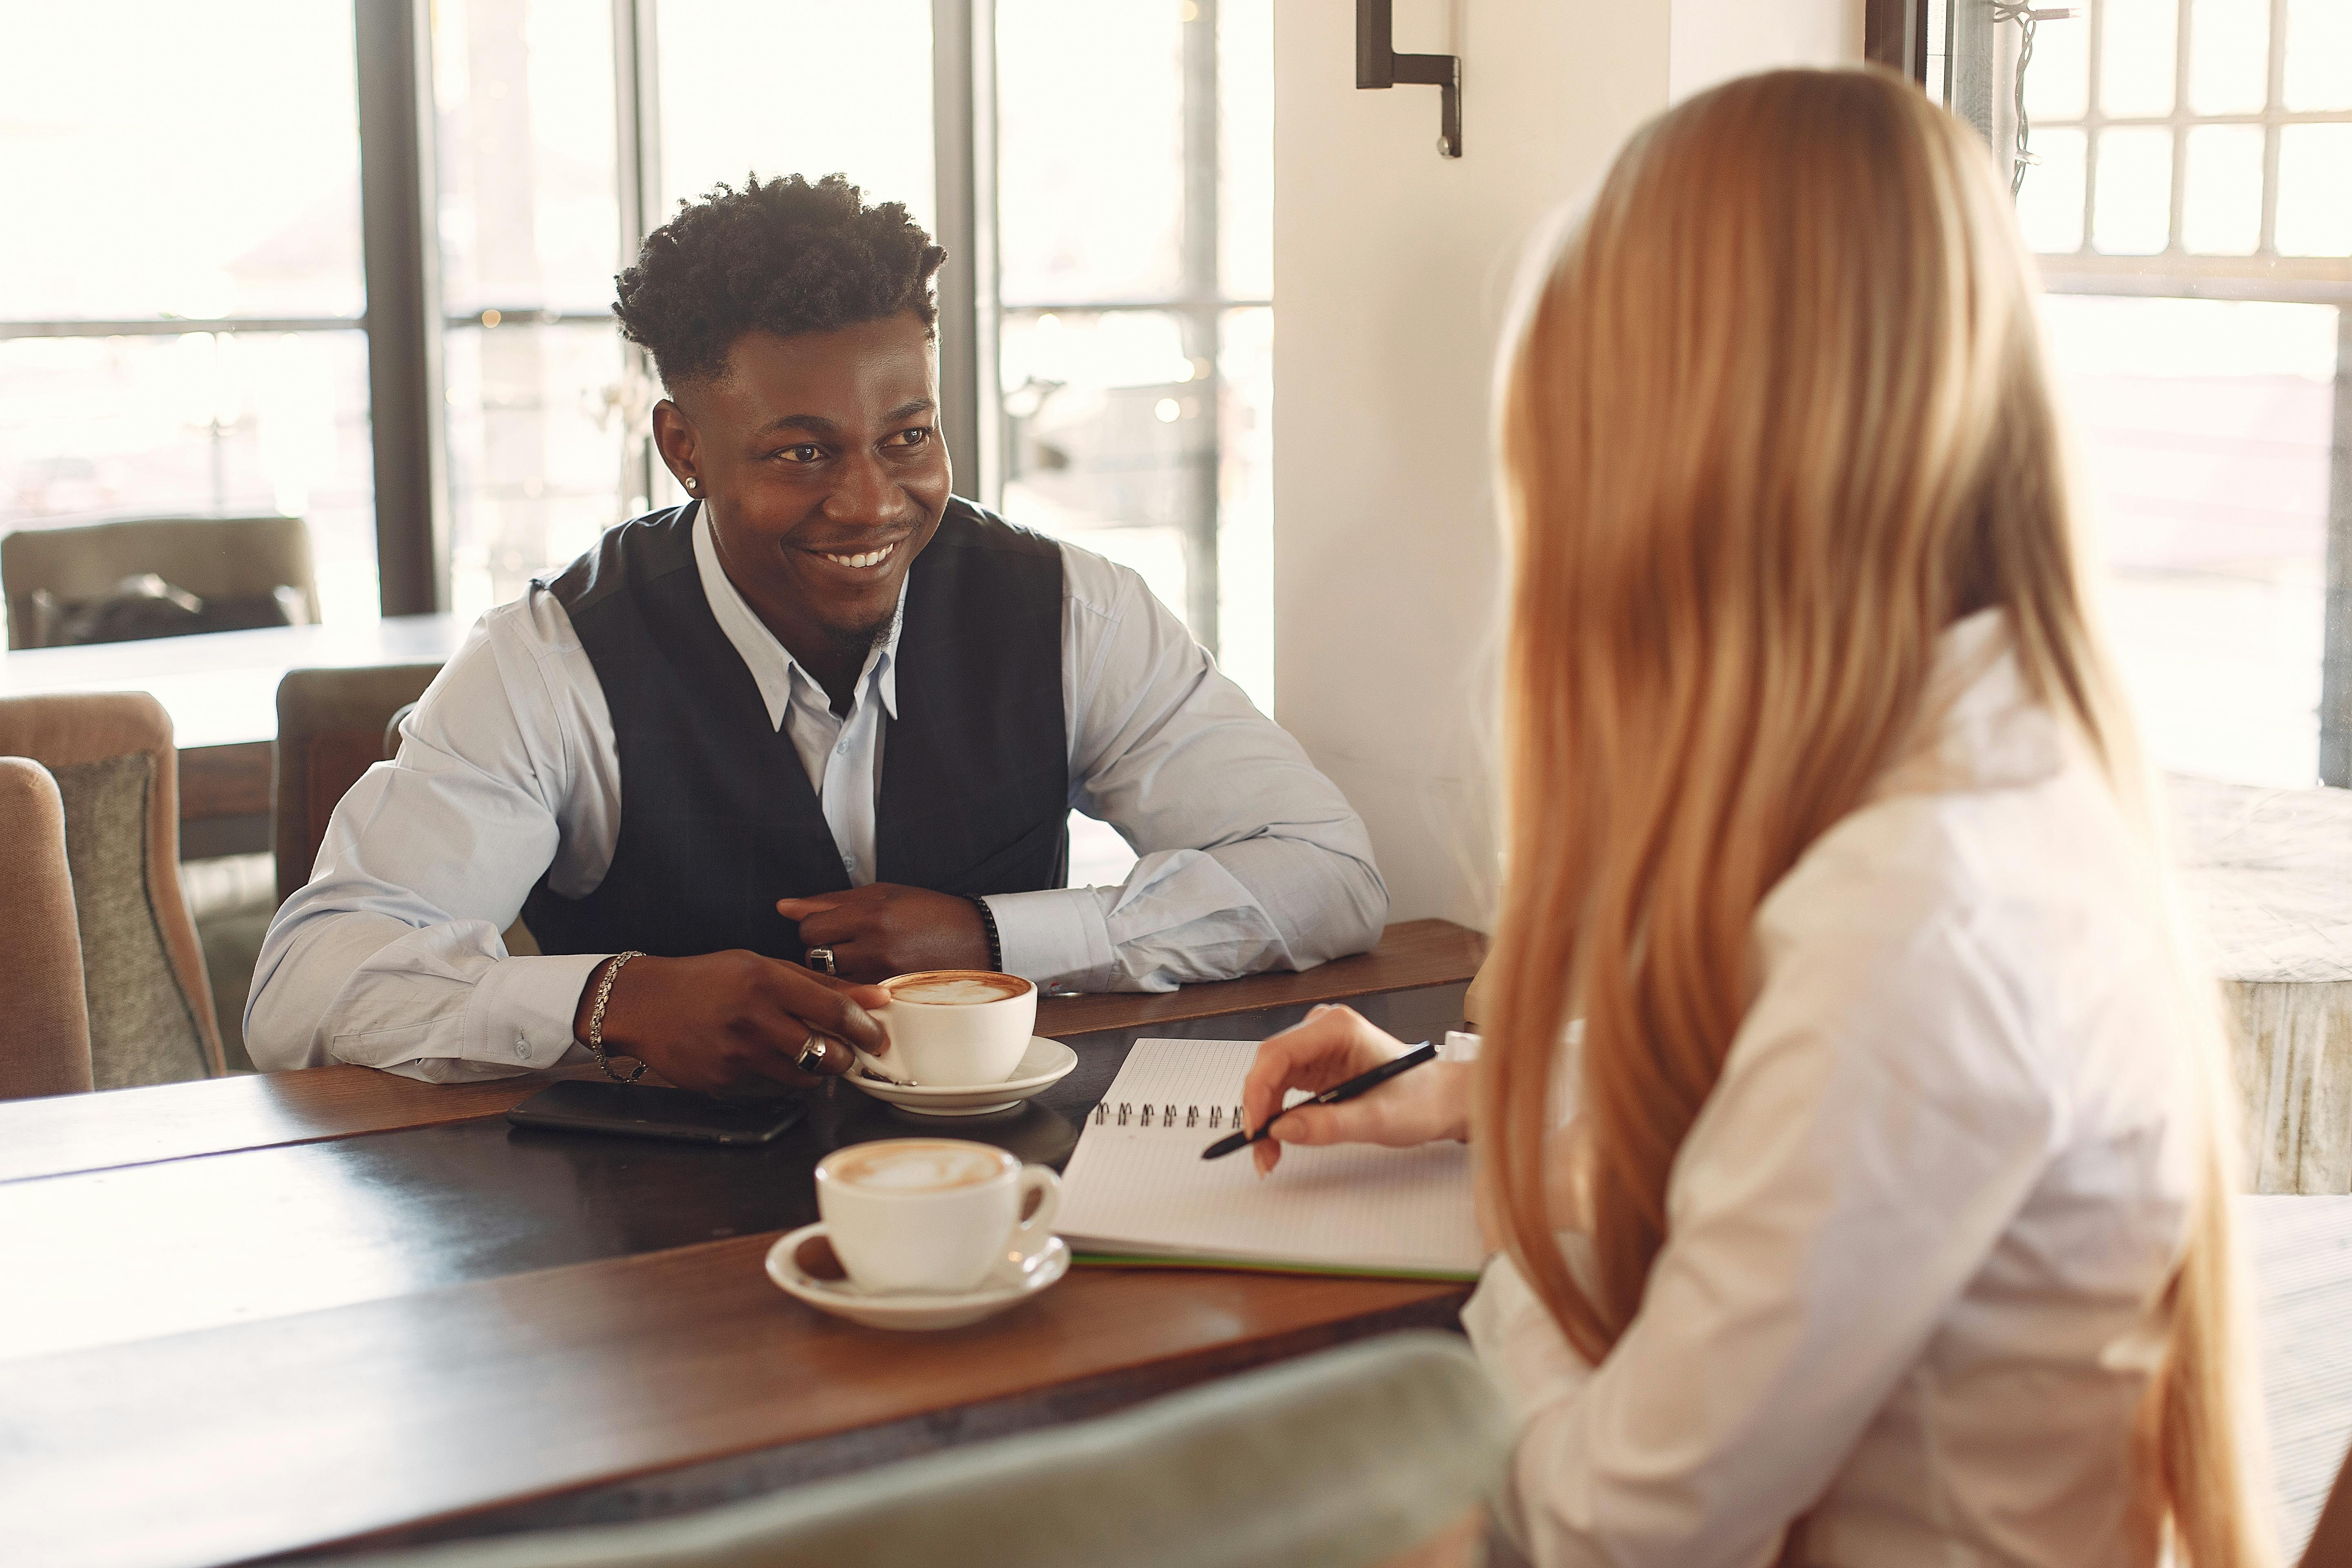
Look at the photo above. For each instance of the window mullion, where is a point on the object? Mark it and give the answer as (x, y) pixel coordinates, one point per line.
(402, 257)
(2274, 100)
(636, 120)
(963, 141)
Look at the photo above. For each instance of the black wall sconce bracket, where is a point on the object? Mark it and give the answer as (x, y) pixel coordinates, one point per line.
(1379, 65)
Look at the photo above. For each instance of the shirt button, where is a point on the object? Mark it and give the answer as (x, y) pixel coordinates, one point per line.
(842, 749)
(522, 1048)
(849, 862)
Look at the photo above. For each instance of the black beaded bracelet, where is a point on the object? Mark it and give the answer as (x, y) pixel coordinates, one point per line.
(996, 942)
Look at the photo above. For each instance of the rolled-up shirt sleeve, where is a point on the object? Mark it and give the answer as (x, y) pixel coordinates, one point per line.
(1249, 859)
(393, 955)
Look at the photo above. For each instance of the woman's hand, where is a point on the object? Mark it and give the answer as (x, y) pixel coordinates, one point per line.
(1331, 1047)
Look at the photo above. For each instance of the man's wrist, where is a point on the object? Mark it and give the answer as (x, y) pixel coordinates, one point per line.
(587, 1005)
(987, 930)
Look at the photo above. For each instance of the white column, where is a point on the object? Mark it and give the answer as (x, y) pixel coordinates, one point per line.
(1393, 269)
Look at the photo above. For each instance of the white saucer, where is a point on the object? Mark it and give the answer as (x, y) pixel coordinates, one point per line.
(1045, 1063)
(1008, 1287)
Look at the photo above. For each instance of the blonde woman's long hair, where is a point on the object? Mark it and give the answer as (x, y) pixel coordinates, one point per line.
(1775, 416)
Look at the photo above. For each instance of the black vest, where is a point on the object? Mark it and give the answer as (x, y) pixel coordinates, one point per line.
(717, 817)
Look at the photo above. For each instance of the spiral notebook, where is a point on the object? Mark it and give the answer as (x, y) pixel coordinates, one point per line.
(1137, 1190)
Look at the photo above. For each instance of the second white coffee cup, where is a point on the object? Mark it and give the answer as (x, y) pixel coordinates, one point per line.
(933, 1213)
(952, 1027)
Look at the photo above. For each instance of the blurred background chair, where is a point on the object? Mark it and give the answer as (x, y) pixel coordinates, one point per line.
(44, 1050)
(242, 571)
(333, 725)
(1376, 1454)
(148, 1005)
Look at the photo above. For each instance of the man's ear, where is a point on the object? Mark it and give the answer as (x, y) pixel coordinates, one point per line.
(675, 439)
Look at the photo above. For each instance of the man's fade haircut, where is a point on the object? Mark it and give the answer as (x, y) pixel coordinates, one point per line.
(784, 256)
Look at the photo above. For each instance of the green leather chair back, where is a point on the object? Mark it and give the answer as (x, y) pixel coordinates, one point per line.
(1347, 1459)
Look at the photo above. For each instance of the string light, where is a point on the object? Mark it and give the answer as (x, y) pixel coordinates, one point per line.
(2028, 17)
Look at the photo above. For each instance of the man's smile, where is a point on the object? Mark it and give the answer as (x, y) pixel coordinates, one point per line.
(863, 561)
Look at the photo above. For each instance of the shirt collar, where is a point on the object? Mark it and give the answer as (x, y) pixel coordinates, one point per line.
(1979, 726)
(771, 663)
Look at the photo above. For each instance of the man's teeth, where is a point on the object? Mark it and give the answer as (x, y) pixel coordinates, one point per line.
(870, 558)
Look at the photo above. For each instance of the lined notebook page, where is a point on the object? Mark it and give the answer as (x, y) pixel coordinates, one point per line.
(1142, 1189)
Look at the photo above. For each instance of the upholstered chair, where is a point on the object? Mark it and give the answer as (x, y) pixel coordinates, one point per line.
(44, 1050)
(147, 1005)
(210, 557)
(333, 726)
(1377, 1455)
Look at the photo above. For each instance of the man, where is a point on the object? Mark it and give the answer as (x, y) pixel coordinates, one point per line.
(821, 725)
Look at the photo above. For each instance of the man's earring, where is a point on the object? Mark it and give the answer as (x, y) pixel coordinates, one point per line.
(689, 486)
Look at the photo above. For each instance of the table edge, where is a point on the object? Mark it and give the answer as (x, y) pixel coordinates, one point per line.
(264, 1111)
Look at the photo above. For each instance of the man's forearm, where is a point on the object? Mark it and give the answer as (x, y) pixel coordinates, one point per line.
(438, 1001)
(1186, 916)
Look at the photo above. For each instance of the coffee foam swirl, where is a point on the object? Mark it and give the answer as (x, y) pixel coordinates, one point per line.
(917, 1167)
(959, 990)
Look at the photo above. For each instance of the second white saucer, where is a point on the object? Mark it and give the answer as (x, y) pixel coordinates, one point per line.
(1008, 1287)
(1043, 1065)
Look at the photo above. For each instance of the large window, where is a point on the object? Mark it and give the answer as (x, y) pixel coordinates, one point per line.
(1135, 269)
(538, 401)
(198, 338)
(181, 291)
(2187, 179)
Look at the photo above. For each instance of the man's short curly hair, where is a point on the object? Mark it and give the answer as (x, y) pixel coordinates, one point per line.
(784, 256)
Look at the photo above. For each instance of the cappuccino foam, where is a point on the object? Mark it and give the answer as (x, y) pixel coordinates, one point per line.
(911, 1165)
(964, 989)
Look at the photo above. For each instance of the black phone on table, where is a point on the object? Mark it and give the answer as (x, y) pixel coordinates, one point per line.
(642, 1111)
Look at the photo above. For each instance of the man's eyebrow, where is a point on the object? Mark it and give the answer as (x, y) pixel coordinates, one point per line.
(815, 423)
(818, 425)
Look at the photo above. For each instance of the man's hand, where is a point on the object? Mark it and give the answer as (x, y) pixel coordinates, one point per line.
(721, 1019)
(884, 929)
(1334, 1044)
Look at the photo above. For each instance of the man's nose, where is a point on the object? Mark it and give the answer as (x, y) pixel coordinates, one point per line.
(863, 494)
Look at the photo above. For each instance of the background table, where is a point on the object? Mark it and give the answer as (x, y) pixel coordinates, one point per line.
(2269, 877)
(332, 1309)
(221, 690)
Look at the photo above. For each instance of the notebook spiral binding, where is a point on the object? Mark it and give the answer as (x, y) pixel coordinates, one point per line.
(1212, 1117)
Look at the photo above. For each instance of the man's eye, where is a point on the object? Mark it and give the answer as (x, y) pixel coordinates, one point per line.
(803, 453)
(913, 436)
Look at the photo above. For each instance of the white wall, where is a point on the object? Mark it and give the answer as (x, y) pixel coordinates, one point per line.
(1714, 40)
(1392, 272)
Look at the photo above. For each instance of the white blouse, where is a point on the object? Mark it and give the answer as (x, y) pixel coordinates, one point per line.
(1914, 1232)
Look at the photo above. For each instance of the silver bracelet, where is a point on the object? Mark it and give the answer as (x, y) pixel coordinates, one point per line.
(596, 1021)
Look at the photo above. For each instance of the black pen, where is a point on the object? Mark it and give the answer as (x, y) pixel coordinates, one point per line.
(1361, 1083)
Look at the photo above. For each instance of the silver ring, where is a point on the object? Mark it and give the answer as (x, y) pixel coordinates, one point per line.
(821, 958)
(812, 1049)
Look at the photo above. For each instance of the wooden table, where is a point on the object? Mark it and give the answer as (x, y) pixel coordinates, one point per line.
(319, 1312)
(325, 1310)
(221, 690)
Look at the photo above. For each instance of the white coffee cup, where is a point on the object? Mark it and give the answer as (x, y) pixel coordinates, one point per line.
(933, 1213)
(951, 1027)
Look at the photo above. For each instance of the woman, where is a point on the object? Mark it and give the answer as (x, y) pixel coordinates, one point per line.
(1891, 1222)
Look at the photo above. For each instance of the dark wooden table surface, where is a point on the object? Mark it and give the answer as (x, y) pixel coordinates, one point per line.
(328, 1310)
